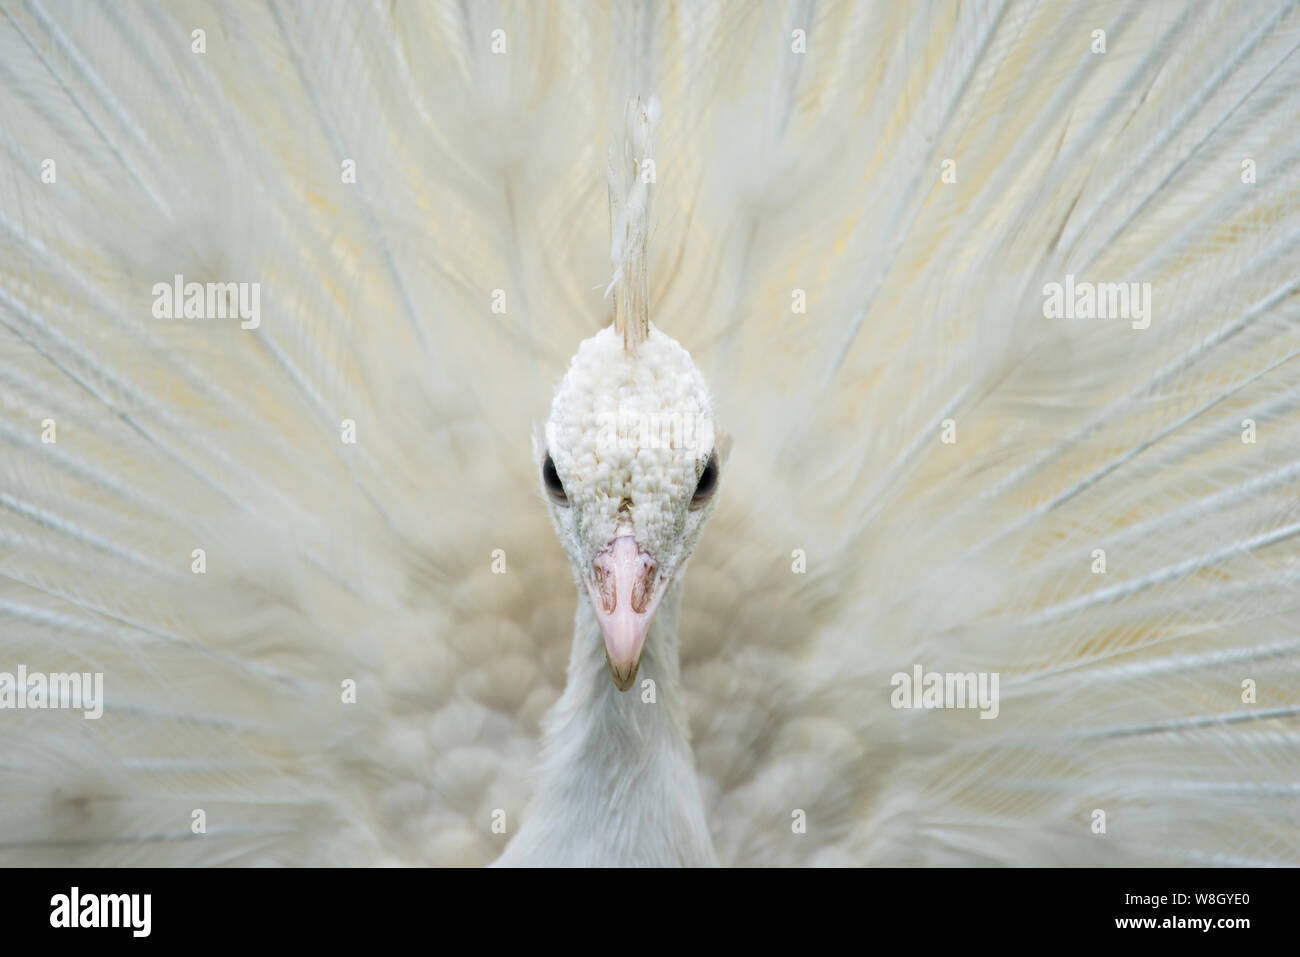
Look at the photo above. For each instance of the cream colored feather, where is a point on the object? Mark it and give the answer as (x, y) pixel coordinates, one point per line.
(429, 307)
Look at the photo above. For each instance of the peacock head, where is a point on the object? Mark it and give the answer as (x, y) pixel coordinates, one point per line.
(629, 467)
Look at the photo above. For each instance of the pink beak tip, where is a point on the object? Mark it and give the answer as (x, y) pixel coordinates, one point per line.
(624, 596)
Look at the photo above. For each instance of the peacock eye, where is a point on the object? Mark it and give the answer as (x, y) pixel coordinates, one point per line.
(551, 479)
(707, 484)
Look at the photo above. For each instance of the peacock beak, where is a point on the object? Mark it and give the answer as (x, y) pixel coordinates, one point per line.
(624, 593)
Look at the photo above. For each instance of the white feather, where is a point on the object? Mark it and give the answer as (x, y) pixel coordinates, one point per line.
(777, 171)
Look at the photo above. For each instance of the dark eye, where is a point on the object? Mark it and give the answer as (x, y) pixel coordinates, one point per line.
(707, 484)
(551, 479)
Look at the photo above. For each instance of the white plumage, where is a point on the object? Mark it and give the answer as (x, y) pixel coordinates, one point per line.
(856, 211)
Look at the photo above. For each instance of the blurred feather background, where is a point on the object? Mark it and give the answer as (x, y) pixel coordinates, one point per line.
(802, 150)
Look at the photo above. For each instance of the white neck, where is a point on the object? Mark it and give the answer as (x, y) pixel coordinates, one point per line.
(617, 784)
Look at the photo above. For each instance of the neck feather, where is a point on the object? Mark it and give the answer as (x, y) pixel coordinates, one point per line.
(617, 784)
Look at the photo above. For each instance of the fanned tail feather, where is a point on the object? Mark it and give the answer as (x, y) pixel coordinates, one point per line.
(853, 237)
